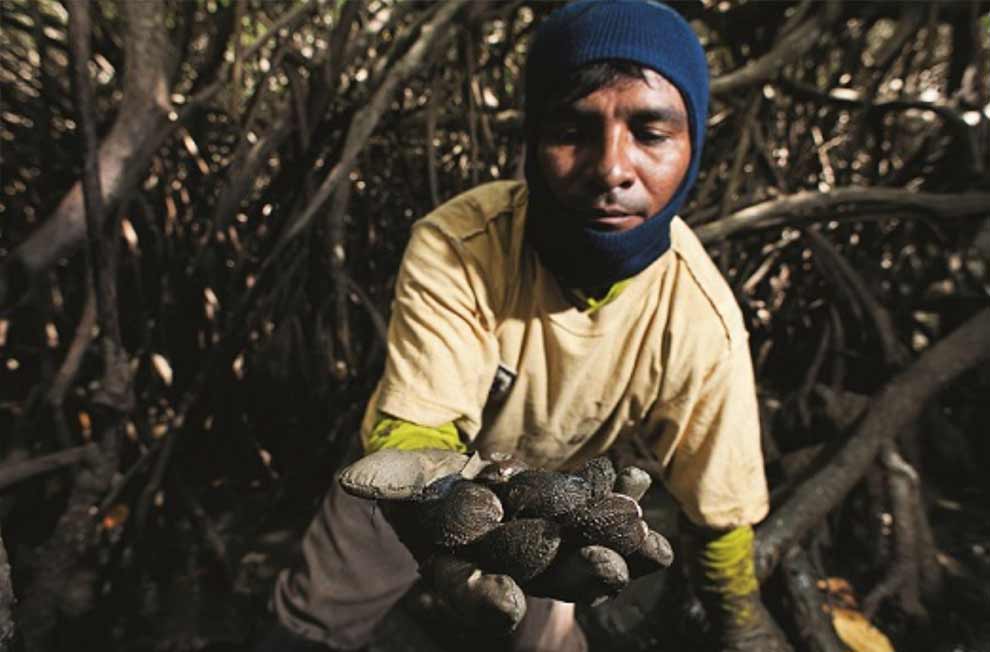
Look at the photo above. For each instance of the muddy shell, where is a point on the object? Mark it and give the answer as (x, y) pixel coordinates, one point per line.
(543, 494)
(615, 522)
(522, 549)
(464, 513)
(500, 469)
(600, 474)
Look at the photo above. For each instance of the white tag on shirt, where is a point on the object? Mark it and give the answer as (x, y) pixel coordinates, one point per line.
(505, 378)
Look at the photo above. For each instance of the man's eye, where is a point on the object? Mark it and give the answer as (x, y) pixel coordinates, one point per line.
(650, 136)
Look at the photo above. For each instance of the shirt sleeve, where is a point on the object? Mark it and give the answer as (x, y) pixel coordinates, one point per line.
(442, 355)
(709, 443)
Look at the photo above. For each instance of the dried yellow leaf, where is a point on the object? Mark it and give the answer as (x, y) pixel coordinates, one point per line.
(858, 633)
(238, 366)
(950, 564)
(130, 235)
(161, 365)
(51, 334)
(840, 591)
(116, 516)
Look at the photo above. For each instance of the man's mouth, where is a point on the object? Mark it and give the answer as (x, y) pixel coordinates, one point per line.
(612, 219)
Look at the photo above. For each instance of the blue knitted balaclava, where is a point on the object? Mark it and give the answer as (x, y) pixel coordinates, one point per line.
(588, 31)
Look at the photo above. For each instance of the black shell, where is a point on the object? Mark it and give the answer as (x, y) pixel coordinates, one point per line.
(600, 474)
(615, 522)
(521, 549)
(544, 494)
(500, 469)
(464, 513)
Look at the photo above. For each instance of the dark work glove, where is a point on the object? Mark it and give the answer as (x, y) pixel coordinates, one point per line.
(432, 508)
(484, 532)
(721, 567)
(751, 628)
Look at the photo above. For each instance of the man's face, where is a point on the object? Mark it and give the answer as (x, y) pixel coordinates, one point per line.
(616, 156)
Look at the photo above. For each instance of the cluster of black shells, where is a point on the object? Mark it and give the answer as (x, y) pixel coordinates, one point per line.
(538, 527)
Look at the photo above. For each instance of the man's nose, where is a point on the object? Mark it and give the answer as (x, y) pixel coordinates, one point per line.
(613, 169)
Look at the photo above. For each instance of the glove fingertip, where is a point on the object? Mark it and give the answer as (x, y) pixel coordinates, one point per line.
(501, 604)
(633, 481)
(654, 554)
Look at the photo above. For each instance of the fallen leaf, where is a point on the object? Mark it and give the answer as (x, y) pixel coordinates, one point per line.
(839, 590)
(130, 235)
(238, 366)
(85, 423)
(116, 516)
(950, 564)
(212, 303)
(51, 334)
(164, 369)
(858, 633)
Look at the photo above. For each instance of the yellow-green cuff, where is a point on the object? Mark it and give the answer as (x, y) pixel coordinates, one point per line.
(390, 432)
(728, 563)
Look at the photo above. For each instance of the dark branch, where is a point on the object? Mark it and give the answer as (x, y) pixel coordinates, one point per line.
(811, 206)
(896, 406)
(14, 472)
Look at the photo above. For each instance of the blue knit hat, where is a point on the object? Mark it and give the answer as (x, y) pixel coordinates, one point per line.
(641, 31)
(588, 31)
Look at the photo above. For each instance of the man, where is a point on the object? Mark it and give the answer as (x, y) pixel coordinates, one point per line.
(550, 319)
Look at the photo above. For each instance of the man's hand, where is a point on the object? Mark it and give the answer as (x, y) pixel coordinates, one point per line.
(751, 628)
(413, 489)
(485, 532)
(722, 570)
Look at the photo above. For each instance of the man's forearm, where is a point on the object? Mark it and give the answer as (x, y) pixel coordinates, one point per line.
(722, 566)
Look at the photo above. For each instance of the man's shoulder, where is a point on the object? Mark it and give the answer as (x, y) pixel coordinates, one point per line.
(482, 228)
(475, 213)
(703, 283)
